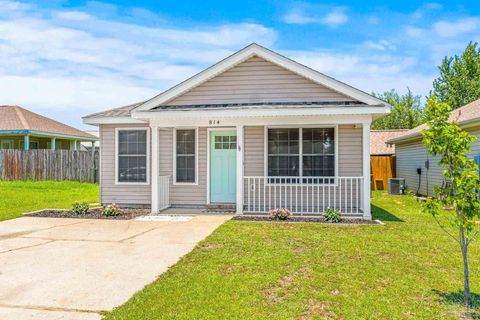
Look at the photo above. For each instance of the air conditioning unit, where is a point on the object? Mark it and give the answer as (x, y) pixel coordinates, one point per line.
(396, 186)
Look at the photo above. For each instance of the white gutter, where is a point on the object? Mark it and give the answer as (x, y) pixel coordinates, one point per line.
(260, 112)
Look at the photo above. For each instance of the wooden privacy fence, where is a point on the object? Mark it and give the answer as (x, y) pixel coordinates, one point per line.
(48, 165)
(383, 168)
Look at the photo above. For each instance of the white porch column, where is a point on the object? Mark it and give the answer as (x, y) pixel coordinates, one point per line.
(52, 143)
(240, 169)
(366, 171)
(155, 169)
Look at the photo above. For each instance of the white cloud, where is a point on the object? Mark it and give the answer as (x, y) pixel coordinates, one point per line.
(456, 28)
(74, 15)
(370, 73)
(381, 45)
(57, 62)
(414, 32)
(425, 9)
(334, 18)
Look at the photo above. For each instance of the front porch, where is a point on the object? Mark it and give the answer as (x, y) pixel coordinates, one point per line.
(256, 190)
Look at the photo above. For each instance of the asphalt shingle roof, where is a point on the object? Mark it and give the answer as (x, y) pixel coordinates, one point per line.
(123, 111)
(378, 139)
(18, 118)
(467, 113)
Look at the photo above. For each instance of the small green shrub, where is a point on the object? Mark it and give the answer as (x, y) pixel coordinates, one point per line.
(80, 207)
(280, 214)
(332, 215)
(111, 210)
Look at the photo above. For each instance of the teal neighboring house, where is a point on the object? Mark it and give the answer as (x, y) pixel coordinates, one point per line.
(23, 129)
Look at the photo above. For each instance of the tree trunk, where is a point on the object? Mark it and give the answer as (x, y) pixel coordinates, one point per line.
(466, 280)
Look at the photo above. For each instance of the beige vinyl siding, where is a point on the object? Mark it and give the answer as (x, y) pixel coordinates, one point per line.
(121, 194)
(254, 152)
(349, 161)
(413, 154)
(184, 194)
(257, 80)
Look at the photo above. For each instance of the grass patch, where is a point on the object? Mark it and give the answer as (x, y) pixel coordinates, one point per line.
(17, 197)
(405, 269)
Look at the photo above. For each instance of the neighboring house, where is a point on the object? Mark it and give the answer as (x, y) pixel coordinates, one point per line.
(88, 145)
(378, 141)
(421, 170)
(23, 129)
(382, 162)
(255, 131)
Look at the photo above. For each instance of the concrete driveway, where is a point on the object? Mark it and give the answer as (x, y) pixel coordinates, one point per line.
(72, 269)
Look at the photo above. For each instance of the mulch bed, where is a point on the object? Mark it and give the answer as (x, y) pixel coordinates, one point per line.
(304, 219)
(94, 213)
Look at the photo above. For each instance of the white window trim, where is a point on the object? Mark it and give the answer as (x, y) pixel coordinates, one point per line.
(300, 150)
(175, 183)
(117, 130)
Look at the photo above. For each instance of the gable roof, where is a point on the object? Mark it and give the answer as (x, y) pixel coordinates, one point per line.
(271, 56)
(379, 138)
(468, 114)
(15, 118)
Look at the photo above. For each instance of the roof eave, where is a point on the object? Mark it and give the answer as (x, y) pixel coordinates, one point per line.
(259, 112)
(48, 134)
(414, 136)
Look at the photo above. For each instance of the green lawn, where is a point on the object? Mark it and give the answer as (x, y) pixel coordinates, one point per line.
(406, 269)
(17, 197)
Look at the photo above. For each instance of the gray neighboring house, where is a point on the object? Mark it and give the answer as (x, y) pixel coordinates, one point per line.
(253, 132)
(412, 155)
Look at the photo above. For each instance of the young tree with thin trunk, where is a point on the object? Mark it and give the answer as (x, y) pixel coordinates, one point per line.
(456, 204)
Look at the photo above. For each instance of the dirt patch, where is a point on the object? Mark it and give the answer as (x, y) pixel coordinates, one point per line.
(95, 213)
(303, 219)
(317, 309)
(285, 286)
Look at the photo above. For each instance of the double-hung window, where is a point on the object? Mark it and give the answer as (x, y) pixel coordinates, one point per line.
(301, 152)
(132, 156)
(185, 156)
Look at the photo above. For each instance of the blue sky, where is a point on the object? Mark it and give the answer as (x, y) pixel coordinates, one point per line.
(66, 59)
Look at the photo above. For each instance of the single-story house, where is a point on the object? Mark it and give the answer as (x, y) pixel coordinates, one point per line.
(88, 145)
(255, 131)
(381, 157)
(419, 169)
(23, 129)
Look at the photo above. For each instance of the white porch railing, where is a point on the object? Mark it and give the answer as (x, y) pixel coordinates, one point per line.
(303, 195)
(163, 192)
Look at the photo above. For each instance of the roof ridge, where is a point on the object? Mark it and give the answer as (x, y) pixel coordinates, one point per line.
(19, 112)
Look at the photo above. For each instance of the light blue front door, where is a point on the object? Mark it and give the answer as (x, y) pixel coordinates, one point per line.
(223, 164)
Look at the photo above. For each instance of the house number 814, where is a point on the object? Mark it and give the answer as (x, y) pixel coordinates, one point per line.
(212, 122)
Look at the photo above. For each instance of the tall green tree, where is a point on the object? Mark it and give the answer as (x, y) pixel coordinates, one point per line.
(459, 80)
(406, 112)
(456, 204)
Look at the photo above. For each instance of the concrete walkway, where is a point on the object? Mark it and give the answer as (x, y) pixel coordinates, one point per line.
(73, 268)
